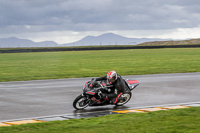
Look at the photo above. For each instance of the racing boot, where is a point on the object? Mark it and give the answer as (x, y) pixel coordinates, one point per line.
(118, 98)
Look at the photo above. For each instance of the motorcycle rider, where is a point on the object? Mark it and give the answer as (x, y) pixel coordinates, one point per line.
(118, 88)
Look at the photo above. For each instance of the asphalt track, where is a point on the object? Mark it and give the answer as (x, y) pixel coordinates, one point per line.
(25, 99)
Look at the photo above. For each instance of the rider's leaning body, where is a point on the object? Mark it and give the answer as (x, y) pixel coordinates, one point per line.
(118, 88)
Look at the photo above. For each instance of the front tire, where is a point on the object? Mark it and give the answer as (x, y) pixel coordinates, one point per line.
(81, 102)
(125, 98)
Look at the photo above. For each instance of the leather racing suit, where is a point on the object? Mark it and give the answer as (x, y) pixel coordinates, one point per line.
(118, 88)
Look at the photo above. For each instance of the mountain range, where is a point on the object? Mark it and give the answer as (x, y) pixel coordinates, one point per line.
(110, 39)
(13, 42)
(104, 39)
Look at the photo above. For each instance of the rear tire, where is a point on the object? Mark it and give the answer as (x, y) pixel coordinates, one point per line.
(81, 102)
(126, 97)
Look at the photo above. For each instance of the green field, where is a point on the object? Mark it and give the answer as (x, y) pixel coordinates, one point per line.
(73, 64)
(170, 121)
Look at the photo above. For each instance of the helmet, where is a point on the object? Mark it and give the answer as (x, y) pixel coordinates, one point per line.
(112, 76)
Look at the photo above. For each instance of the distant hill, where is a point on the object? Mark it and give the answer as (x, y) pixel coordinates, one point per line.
(13, 42)
(110, 39)
(181, 42)
(104, 39)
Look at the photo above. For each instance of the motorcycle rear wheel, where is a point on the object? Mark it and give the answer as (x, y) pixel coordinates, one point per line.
(81, 102)
(126, 97)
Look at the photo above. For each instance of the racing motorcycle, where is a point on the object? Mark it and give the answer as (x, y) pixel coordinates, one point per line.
(92, 96)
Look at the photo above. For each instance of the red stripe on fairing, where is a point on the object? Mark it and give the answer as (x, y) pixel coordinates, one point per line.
(91, 93)
(85, 84)
(117, 97)
(132, 81)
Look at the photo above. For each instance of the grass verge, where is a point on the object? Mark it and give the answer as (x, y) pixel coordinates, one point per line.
(170, 121)
(73, 64)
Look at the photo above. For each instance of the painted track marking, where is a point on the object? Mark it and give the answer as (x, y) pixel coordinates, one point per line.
(142, 110)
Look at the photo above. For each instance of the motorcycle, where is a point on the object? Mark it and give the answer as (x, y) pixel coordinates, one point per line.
(92, 96)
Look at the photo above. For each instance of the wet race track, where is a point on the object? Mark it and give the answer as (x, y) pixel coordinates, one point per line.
(25, 99)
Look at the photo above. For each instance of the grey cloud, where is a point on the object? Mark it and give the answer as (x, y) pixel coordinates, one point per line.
(96, 15)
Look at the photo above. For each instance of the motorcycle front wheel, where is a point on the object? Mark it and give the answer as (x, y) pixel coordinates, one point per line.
(124, 98)
(81, 102)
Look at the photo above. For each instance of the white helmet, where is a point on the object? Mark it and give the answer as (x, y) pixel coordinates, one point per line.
(112, 76)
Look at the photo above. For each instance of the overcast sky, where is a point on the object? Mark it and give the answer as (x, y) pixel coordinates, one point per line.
(66, 21)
